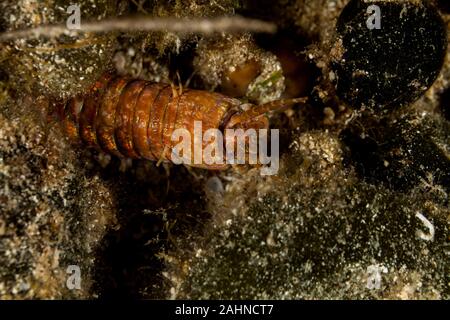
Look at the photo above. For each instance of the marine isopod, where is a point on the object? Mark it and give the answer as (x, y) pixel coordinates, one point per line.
(136, 118)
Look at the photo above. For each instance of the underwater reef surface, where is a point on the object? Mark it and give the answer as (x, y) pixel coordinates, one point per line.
(359, 208)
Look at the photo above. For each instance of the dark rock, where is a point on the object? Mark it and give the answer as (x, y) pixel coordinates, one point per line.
(445, 104)
(391, 66)
(400, 153)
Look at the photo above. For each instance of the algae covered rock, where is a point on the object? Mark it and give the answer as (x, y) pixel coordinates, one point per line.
(388, 53)
(51, 216)
(60, 66)
(319, 232)
(236, 66)
(358, 210)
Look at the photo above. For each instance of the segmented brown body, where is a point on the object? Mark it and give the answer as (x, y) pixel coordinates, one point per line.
(136, 118)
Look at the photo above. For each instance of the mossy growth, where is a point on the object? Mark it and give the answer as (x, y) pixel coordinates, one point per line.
(60, 66)
(320, 232)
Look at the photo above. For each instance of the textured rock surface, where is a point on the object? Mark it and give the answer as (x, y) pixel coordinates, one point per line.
(51, 215)
(62, 66)
(389, 62)
(318, 231)
(237, 67)
(359, 209)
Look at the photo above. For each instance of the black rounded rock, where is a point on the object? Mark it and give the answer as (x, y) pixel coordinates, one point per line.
(445, 104)
(390, 64)
(444, 5)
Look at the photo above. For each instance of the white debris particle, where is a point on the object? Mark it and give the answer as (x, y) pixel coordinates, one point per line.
(422, 235)
(270, 241)
(374, 272)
